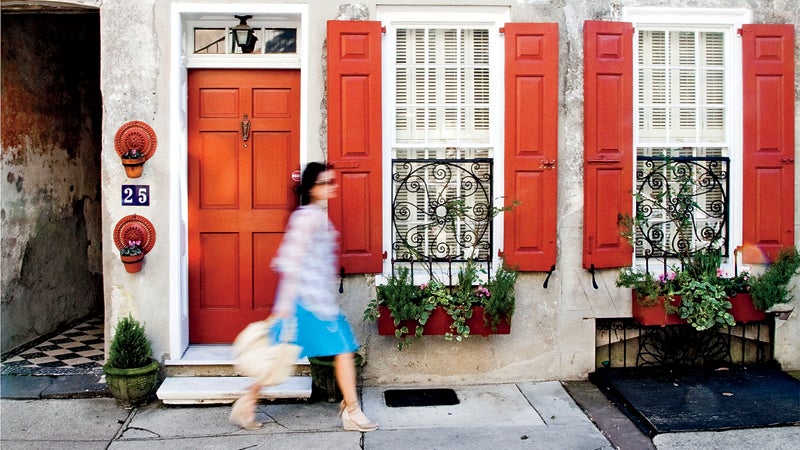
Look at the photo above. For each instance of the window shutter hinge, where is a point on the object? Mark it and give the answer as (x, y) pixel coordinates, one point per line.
(502, 30)
(739, 31)
(383, 29)
(500, 253)
(385, 255)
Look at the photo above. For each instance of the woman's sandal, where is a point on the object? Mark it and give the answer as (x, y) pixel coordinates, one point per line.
(242, 414)
(353, 419)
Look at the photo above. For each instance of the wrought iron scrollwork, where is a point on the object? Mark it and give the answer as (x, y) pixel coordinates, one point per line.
(682, 346)
(442, 209)
(682, 204)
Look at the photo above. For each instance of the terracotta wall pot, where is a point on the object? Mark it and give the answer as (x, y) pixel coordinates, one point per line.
(439, 323)
(656, 314)
(133, 167)
(743, 309)
(133, 264)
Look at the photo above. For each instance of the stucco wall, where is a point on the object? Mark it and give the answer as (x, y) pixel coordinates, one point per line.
(553, 330)
(51, 235)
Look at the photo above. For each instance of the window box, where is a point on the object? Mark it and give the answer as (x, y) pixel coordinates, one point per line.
(744, 310)
(439, 322)
(656, 314)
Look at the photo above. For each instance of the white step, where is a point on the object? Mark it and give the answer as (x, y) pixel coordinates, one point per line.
(224, 390)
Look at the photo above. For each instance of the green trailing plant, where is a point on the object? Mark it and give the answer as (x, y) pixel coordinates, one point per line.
(704, 302)
(407, 302)
(772, 286)
(498, 298)
(130, 348)
(646, 286)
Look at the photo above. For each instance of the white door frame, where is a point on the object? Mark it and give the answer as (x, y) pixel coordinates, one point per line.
(180, 62)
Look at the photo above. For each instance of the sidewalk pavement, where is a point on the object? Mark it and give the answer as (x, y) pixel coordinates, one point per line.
(530, 415)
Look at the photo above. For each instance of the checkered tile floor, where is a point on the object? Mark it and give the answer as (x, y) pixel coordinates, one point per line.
(74, 352)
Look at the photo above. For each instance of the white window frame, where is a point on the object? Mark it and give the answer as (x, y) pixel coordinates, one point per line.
(398, 16)
(728, 21)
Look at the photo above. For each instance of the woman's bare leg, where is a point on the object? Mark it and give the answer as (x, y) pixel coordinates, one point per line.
(345, 368)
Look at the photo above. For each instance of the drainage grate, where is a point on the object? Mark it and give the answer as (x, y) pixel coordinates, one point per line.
(396, 398)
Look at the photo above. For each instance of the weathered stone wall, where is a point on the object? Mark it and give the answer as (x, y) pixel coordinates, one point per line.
(51, 232)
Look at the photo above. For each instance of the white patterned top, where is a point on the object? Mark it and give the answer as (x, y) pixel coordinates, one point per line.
(307, 261)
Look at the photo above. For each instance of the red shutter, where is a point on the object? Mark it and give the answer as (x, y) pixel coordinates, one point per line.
(354, 141)
(608, 142)
(531, 145)
(768, 79)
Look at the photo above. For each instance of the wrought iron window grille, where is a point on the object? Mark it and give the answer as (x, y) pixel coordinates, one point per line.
(442, 213)
(682, 206)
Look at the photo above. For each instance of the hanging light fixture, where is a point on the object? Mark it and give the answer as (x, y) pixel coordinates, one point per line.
(243, 35)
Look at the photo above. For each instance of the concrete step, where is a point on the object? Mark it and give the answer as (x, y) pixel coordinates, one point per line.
(225, 390)
(214, 361)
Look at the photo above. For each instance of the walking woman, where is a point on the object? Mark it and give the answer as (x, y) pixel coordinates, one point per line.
(306, 262)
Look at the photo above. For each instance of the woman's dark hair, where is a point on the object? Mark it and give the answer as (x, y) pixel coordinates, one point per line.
(308, 180)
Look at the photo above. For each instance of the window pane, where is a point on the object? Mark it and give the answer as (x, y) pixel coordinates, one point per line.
(280, 40)
(209, 40)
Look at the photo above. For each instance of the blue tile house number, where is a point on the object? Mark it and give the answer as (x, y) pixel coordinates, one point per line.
(135, 195)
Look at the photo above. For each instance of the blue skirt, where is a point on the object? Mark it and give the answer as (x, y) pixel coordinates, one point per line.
(320, 337)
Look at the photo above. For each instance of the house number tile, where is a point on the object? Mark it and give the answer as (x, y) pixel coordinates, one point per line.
(135, 195)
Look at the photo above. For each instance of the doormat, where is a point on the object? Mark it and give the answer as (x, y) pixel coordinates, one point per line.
(662, 401)
(397, 398)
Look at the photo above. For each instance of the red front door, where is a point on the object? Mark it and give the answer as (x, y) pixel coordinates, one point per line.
(243, 146)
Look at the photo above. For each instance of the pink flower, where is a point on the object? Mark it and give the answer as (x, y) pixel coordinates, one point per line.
(483, 292)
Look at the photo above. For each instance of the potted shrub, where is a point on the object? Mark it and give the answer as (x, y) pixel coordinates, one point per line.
(132, 256)
(770, 290)
(130, 371)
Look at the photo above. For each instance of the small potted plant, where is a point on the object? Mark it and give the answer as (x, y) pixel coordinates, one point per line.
(132, 256)
(654, 299)
(133, 161)
(131, 373)
(770, 290)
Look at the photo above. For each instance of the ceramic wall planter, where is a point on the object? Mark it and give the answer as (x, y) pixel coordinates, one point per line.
(133, 264)
(439, 323)
(744, 311)
(134, 229)
(656, 315)
(137, 139)
(133, 167)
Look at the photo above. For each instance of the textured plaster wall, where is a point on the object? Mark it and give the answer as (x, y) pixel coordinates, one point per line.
(553, 330)
(51, 231)
(134, 84)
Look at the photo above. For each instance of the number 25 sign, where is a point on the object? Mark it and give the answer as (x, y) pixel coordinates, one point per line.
(135, 195)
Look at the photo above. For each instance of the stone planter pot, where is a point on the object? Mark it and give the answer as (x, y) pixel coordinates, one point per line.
(132, 387)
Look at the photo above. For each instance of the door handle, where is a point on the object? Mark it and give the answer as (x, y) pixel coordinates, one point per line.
(245, 128)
